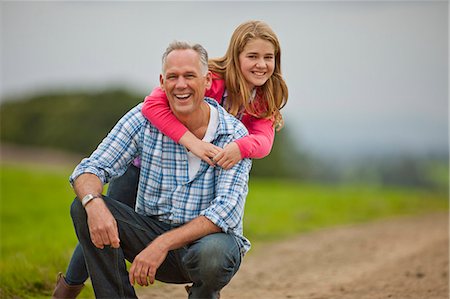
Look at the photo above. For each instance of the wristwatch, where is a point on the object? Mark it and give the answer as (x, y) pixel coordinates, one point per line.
(88, 198)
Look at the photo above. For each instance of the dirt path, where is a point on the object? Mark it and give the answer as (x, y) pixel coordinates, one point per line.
(10, 153)
(398, 258)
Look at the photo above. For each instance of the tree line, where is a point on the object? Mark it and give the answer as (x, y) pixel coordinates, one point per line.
(77, 121)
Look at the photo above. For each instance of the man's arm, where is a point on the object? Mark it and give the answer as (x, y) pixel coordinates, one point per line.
(102, 225)
(144, 266)
(110, 159)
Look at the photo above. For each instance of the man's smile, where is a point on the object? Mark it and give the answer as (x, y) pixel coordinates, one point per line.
(183, 97)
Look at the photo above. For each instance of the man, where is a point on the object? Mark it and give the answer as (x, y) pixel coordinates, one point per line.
(188, 221)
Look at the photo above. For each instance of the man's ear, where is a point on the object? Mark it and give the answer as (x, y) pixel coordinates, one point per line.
(161, 81)
(208, 79)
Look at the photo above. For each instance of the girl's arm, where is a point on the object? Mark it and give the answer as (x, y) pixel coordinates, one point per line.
(259, 142)
(256, 145)
(156, 109)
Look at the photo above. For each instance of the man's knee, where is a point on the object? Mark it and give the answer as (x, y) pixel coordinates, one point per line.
(77, 211)
(215, 257)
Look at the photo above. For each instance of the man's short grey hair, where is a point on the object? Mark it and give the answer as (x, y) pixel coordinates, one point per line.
(181, 45)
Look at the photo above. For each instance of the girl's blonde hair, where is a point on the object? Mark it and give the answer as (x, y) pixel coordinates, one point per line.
(270, 97)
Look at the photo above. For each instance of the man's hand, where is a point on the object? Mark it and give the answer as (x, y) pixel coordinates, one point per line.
(146, 263)
(229, 156)
(102, 225)
(143, 269)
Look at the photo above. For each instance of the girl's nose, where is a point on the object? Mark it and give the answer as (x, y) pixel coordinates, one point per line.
(260, 63)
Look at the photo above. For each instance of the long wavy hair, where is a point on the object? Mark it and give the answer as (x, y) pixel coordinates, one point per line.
(271, 97)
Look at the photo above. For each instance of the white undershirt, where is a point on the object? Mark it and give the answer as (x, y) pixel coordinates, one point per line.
(193, 160)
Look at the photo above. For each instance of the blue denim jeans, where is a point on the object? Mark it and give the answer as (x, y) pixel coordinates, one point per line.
(209, 263)
(123, 189)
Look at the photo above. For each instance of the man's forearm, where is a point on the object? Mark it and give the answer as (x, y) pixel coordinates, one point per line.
(102, 225)
(186, 234)
(87, 183)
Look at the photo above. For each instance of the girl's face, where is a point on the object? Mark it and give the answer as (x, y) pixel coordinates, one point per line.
(257, 62)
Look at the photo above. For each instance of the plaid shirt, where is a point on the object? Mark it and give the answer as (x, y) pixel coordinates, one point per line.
(165, 190)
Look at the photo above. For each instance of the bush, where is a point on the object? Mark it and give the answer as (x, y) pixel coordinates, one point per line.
(75, 122)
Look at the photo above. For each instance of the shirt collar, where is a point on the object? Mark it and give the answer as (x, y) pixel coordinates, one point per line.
(226, 121)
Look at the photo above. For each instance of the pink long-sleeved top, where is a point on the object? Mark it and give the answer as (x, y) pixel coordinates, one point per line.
(257, 144)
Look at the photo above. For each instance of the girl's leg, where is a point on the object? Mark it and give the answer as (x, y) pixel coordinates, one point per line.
(124, 188)
(76, 271)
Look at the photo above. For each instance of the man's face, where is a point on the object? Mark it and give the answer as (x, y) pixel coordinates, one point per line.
(184, 82)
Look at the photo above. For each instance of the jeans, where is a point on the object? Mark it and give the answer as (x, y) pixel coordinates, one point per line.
(209, 263)
(123, 189)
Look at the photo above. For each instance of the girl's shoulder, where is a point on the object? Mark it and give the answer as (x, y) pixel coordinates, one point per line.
(217, 76)
(259, 104)
(217, 88)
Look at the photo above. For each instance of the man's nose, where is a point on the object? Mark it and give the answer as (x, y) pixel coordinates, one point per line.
(181, 82)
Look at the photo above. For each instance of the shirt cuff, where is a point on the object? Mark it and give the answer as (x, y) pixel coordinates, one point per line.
(215, 218)
(95, 171)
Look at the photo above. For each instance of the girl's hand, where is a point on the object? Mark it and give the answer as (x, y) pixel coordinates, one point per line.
(229, 156)
(205, 151)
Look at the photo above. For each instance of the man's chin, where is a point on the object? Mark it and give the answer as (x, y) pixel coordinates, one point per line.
(182, 110)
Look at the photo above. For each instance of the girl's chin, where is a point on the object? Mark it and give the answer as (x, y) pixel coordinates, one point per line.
(258, 83)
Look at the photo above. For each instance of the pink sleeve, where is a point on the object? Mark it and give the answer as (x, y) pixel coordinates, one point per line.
(156, 109)
(259, 142)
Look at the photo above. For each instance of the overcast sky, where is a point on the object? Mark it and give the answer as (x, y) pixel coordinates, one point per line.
(362, 75)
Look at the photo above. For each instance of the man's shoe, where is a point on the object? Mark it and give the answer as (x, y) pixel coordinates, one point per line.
(64, 290)
(188, 290)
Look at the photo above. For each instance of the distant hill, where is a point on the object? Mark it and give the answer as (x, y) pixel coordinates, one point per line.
(74, 122)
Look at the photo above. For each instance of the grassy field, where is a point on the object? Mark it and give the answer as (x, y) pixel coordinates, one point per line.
(37, 236)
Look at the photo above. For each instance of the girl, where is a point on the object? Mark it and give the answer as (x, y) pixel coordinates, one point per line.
(247, 81)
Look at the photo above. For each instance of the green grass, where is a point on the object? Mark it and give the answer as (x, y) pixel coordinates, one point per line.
(37, 237)
(277, 209)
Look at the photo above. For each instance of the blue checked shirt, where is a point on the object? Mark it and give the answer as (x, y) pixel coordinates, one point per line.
(165, 190)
